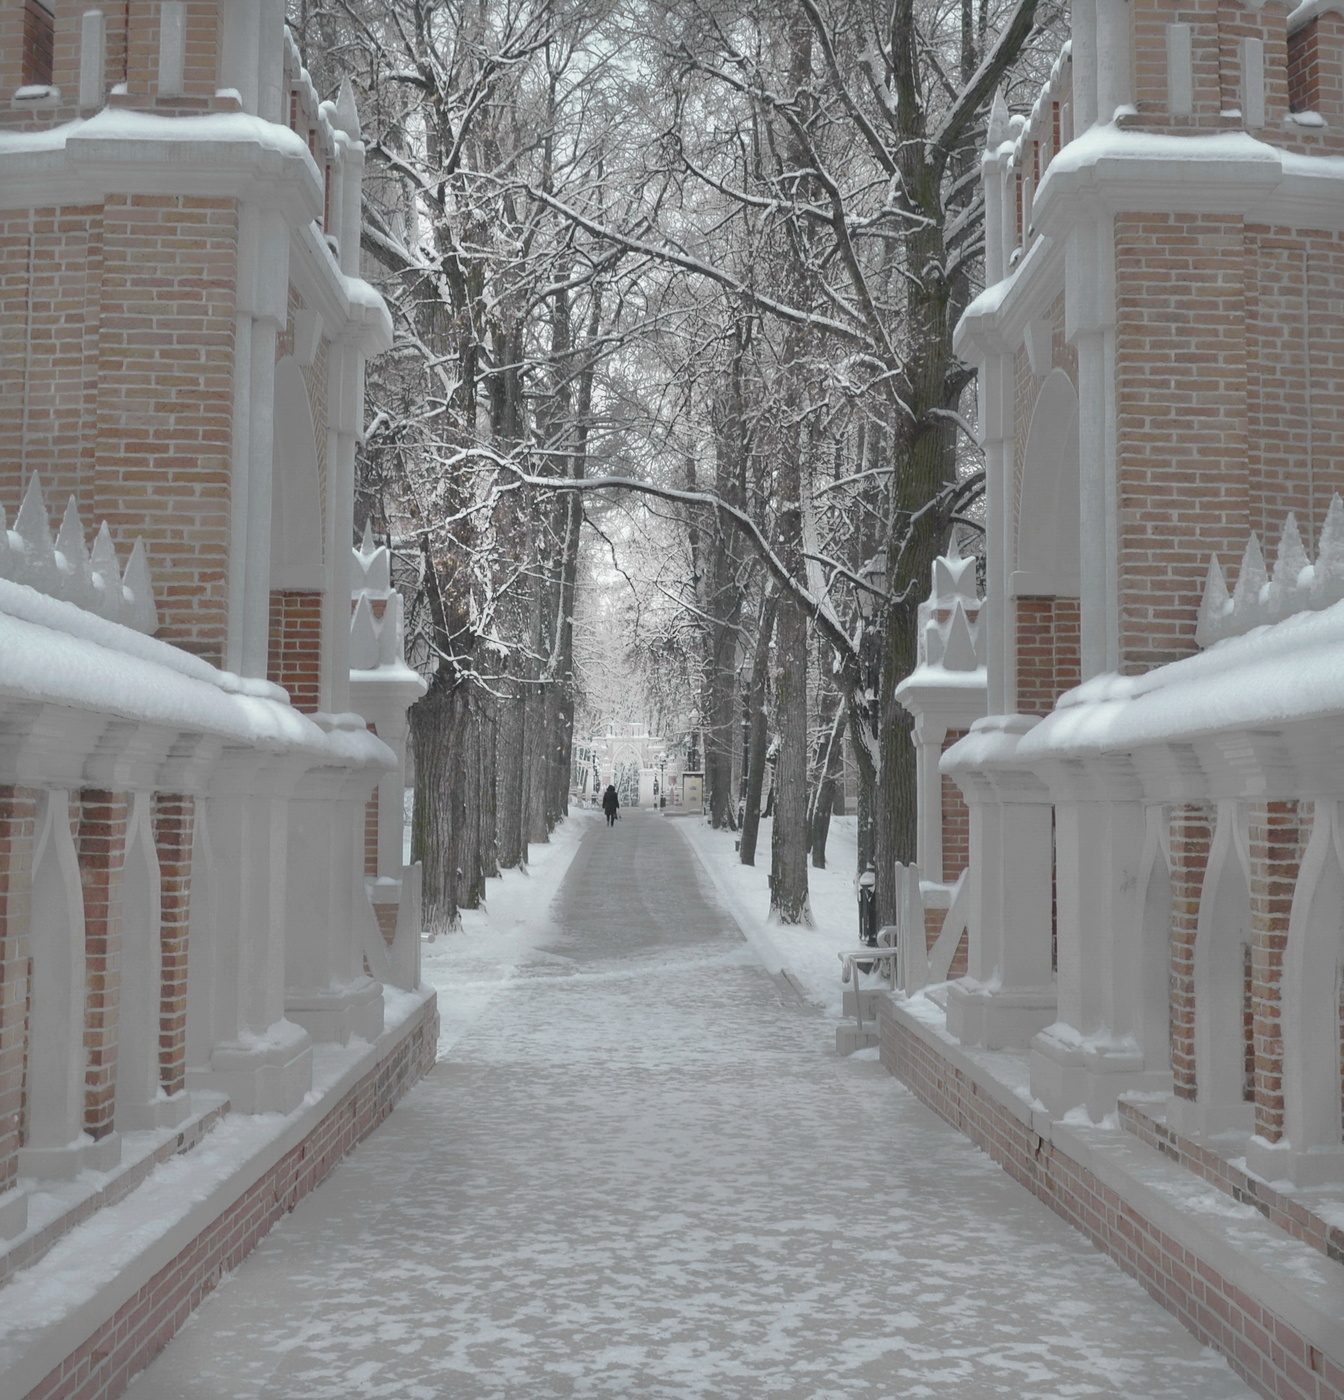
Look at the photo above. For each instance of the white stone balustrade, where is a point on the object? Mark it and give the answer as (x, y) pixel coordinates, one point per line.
(1022, 146)
(1260, 596)
(66, 569)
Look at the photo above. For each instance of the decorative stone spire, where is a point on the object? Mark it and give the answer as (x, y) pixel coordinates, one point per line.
(66, 569)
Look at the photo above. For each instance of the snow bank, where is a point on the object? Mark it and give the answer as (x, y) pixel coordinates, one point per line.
(470, 967)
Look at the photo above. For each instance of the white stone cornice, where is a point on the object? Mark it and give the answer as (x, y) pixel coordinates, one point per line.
(223, 155)
(995, 322)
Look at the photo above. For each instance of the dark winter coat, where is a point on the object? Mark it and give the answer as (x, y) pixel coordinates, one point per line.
(610, 801)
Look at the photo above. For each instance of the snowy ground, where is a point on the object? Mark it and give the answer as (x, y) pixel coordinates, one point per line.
(641, 1171)
(807, 955)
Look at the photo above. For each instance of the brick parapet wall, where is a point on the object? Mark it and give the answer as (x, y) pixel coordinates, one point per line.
(18, 812)
(101, 845)
(174, 828)
(1273, 1358)
(29, 1247)
(1293, 1216)
(1276, 839)
(101, 1367)
(1191, 836)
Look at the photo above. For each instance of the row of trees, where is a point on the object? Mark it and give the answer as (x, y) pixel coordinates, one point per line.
(706, 251)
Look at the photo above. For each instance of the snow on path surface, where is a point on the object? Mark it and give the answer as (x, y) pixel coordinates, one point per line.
(642, 1172)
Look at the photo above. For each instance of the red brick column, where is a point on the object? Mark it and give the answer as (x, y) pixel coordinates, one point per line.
(101, 845)
(174, 828)
(1048, 652)
(1191, 837)
(1276, 844)
(294, 658)
(956, 825)
(18, 811)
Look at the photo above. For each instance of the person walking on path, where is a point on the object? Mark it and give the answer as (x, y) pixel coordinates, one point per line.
(610, 804)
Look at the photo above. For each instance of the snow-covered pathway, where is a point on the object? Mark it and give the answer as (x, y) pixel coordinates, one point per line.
(643, 1173)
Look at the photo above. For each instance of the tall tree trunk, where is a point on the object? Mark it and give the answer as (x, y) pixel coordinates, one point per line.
(437, 721)
(759, 733)
(511, 733)
(788, 835)
(823, 794)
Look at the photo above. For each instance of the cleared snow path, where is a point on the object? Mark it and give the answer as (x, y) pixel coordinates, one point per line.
(643, 1173)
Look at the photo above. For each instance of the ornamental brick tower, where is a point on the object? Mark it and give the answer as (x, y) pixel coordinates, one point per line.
(1155, 893)
(202, 895)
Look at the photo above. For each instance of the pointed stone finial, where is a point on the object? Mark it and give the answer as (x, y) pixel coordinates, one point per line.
(137, 593)
(1327, 580)
(997, 132)
(959, 649)
(954, 577)
(933, 644)
(1288, 589)
(390, 633)
(73, 559)
(347, 114)
(1251, 580)
(106, 572)
(366, 545)
(1215, 607)
(364, 653)
(36, 565)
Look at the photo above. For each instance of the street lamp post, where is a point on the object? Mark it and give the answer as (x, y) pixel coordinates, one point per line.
(868, 907)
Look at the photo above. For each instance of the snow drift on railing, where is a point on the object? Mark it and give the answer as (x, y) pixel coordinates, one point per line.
(1295, 585)
(65, 569)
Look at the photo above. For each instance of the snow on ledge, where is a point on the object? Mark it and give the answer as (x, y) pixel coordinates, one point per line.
(53, 652)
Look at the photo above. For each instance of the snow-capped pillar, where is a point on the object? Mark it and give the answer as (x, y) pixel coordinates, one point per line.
(1115, 42)
(259, 1058)
(1008, 993)
(262, 313)
(1092, 1052)
(1090, 326)
(1083, 32)
(326, 989)
(240, 50)
(272, 98)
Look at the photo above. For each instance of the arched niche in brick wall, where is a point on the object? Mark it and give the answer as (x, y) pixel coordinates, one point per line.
(1222, 970)
(1311, 993)
(56, 1055)
(1048, 516)
(296, 487)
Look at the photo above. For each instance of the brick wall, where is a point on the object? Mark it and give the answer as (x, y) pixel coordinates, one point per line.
(294, 658)
(122, 393)
(102, 1365)
(165, 413)
(1274, 1359)
(956, 819)
(18, 810)
(101, 843)
(1181, 421)
(1277, 838)
(174, 828)
(1191, 836)
(1048, 652)
(371, 835)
